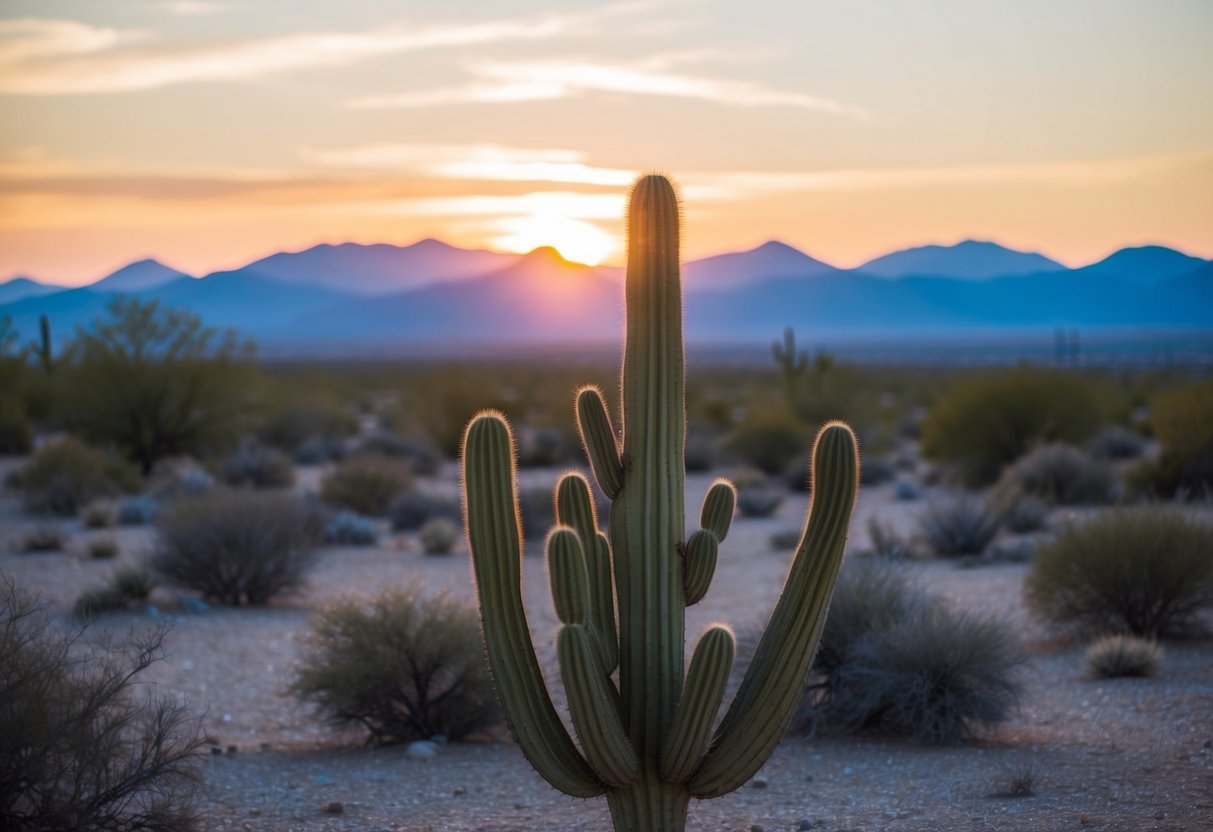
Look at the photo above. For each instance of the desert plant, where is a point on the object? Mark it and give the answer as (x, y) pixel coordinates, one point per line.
(1116, 442)
(16, 431)
(64, 476)
(128, 585)
(958, 524)
(1182, 419)
(367, 484)
(1061, 475)
(44, 537)
(256, 466)
(792, 365)
(877, 472)
(1144, 570)
(403, 665)
(97, 601)
(419, 452)
(155, 382)
(323, 424)
(989, 421)
(138, 511)
(884, 541)
(647, 744)
(350, 529)
(103, 548)
(758, 500)
(767, 443)
(99, 514)
(907, 491)
(412, 510)
(1025, 514)
(1120, 655)
(438, 536)
(135, 582)
(81, 748)
(237, 547)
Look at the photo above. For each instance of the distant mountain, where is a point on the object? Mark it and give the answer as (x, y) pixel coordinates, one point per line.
(243, 299)
(19, 287)
(967, 260)
(771, 259)
(379, 269)
(138, 277)
(1145, 265)
(540, 297)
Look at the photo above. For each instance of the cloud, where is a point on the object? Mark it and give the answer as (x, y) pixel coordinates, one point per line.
(60, 57)
(473, 162)
(542, 80)
(195, 8)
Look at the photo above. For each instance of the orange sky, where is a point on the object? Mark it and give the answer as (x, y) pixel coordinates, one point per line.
(210, 133)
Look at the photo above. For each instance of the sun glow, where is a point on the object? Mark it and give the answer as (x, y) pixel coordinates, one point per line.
(576, 240)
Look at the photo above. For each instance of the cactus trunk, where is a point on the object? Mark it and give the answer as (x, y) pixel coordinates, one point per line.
(646, 744)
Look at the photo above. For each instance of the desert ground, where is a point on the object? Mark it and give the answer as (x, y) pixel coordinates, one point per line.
(1114, 754)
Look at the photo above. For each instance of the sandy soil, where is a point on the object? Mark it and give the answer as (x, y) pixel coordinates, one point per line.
(1124, 754)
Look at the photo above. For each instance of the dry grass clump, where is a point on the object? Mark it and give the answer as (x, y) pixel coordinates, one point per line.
(958, 524)
(367, 485)
(237, 547)
(402, 665)
(1121, 655)
(438, 536)
(1144, 570)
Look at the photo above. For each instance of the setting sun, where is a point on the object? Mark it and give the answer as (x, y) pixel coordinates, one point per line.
(576, 240)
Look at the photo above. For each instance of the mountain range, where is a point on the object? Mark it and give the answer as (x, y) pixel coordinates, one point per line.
(434, 293)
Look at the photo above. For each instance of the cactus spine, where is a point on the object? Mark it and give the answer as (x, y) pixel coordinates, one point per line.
(646, 741)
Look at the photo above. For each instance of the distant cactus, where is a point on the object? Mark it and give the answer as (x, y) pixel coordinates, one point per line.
(792, 364)
(645, 742)
(43, 348)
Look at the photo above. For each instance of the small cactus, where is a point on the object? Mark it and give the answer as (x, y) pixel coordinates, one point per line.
(646, 740)
(792, 364)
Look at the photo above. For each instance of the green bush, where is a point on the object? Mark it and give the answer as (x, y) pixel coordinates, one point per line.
(1145, 570)
(403, 665)
(367, 485)
(1059, 474)
(83, 744)
(769, 444)
(63, 477)
(237, 547)
(989, 421)
(1182, 420)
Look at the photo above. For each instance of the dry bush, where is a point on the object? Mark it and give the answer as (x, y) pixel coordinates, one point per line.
(80, 749)
(404, 666)
(1026, 514)
(1061, 475)
(255, 466)
(958, 524)
(45, 537)
(1116, 442)
(438, 536)
(237, 547)
(1121, 655)
(63, 477)
(367, 485)
(1143, 570)
(350, 529)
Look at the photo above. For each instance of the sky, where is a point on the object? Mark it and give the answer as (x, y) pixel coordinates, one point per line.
(207, 133)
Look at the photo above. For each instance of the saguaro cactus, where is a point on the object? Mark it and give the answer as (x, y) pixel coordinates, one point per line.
(792, 364)
(645, 736)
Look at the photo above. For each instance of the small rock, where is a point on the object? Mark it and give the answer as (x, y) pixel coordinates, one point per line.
(805, 823)
(459, 791)
(756, 827)
(335, 807)
(758, 783)
(421, 750)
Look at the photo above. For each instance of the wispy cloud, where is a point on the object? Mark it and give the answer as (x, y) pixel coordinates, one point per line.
(495, 82)
(474, 162)
(195, 8)
(57, 57)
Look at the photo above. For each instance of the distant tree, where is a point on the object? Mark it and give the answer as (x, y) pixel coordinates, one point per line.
(155, 381)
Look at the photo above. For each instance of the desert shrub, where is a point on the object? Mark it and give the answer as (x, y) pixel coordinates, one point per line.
(1147, 571)
(45, 537)
(99, 514)
(291, 427)
(97, 601)
(1121, 655)
(138, 511)
(1182, 420)
(135, 582)
(185, 479)
(350, 529)
(128, 585)
(1116, 442)
(318, 450)
(907, 491)
(255, 466)
(412, 510)
(758, 500)
(103, 548)
(419, 452)
(536, 506)
(403, 665)
(769, 444)
(81, 746)
(1025, 514)
(438, 536)
(991, 420)
(367, 484)
(16, 431)
(876, 472)
(64, 476)
(237, 547)
(935, 675)
(884, 542)
(1059, 474)
(958, 524)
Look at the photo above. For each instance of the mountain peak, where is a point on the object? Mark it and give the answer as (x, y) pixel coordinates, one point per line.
(138, 276)
(970, 259)
(1144, 265)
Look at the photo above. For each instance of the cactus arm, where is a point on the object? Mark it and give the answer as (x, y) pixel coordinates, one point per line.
(594, 707)
(575, 509)
(718, 506)
(701, 697)
(495, 538)
(567, 574)
(701, 552)
(774, 681)
(598, 437)
(648, 517)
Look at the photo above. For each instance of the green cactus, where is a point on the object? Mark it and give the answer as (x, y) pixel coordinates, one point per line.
(43, 348)
(644, 737)
(792, 364)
